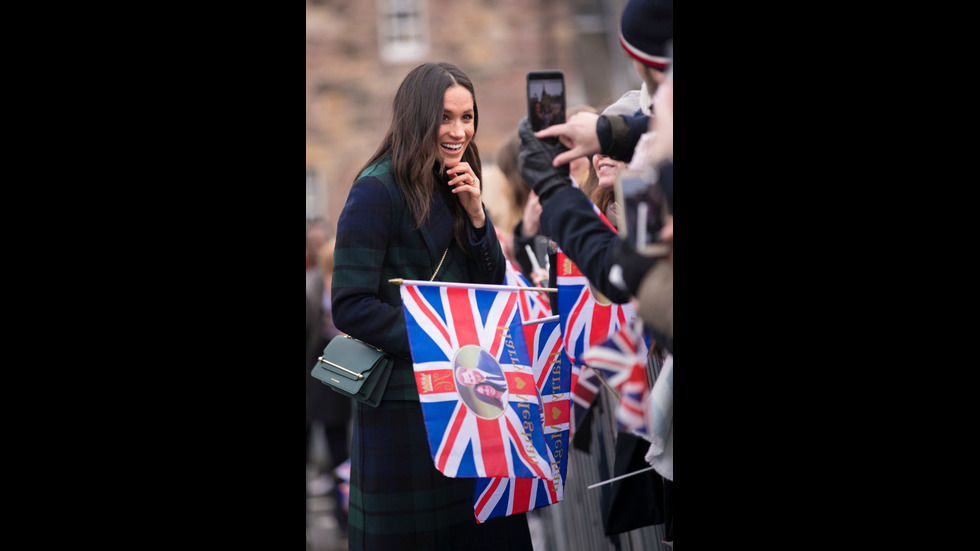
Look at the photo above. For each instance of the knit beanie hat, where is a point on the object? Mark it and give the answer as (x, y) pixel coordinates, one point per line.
(645, 29)
(628, 104)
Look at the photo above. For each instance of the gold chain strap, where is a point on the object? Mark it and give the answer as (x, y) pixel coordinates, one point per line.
(433, 278)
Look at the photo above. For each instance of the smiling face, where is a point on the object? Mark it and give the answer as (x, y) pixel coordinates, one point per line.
(606, 169)
(468, 376)
(457, 126)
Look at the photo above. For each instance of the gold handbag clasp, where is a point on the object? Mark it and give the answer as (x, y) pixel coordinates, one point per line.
(358, 375)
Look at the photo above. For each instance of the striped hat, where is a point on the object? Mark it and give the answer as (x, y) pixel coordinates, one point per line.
(645, 29)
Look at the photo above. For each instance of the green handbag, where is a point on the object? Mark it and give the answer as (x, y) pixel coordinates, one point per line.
(355, 369)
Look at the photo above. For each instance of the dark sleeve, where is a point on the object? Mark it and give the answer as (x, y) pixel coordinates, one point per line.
(619, 134)
(520, 253)
(363, 230)
(569, 219)
(487, 265)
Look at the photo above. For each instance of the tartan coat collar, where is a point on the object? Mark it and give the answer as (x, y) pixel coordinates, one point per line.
(437, 231)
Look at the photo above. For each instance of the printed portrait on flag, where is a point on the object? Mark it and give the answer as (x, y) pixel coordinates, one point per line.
(480, 381)
(469, 354)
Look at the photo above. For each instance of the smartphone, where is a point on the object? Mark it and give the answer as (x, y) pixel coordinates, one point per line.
(545, 98)
(643, 208)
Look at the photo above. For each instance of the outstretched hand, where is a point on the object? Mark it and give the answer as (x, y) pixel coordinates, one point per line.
(535, 163)
(578, 135)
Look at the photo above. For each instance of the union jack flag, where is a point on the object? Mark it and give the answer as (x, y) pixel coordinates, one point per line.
(587, 317)
(494, 497)
(622, 362)
(534, 304)
(585, 386)
(472, 435)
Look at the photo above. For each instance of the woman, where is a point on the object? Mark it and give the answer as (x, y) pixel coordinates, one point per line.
(414, 211)
(525, 232)
(490, 394)
(606, 169)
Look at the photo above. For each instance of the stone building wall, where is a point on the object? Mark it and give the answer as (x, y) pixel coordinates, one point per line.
(349, 86)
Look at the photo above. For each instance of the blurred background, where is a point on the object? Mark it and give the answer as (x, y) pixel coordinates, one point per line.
(357, 52)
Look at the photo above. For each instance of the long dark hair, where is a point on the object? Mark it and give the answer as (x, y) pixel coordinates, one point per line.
(507, 157)
(411, 141)
(491, 384)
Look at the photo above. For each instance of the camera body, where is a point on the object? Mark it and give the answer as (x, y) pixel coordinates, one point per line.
(643, 211)
(545, 98)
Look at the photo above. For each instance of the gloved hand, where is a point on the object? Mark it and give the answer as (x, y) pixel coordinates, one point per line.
(534, 162)
(629, 267)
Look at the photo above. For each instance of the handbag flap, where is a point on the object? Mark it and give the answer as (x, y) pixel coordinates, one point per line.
(347, 363)
(350, 358)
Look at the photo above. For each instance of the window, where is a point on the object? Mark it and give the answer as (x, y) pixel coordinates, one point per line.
(403, 32)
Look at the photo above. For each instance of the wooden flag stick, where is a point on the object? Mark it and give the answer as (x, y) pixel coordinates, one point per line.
(620, 477)
(534, 259)
(479, 286)
(540, 320)
(604, 383)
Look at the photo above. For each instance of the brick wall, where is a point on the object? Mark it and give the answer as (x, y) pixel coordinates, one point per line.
(349, 88)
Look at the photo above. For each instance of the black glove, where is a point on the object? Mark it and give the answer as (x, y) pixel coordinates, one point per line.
(629, 267)
(534, 162)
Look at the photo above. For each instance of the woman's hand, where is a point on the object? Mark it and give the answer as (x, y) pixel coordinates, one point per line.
(466, 186)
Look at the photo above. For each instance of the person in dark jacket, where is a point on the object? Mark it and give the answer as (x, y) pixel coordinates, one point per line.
(610, 263)
(646, 28)
(414, 212)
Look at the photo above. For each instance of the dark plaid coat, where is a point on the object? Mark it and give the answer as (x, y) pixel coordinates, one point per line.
(377, 241)
(398, 500)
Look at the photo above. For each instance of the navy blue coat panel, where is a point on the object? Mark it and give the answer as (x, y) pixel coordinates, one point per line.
(569, 219)
(377, 241)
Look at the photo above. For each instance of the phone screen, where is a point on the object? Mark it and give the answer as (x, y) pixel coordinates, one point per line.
(641, 217)
(545, 98)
